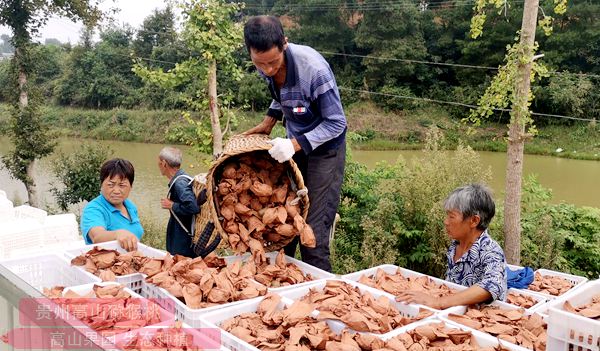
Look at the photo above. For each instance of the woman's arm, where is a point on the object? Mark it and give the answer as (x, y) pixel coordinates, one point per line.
(126, 239)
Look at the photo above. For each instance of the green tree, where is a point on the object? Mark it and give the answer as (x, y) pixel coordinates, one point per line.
(399, 36)
(212, 37)
(78, 175)
(100, 75)
(29, 136)
(252, 92)
(159, 46)
(512, 87)
(157, 39)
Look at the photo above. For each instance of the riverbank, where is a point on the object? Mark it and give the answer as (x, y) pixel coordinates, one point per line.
(371, 129)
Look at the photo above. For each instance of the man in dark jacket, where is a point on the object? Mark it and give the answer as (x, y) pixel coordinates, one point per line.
(180, 202)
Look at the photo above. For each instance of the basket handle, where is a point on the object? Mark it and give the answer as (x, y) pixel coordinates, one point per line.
(202, 248)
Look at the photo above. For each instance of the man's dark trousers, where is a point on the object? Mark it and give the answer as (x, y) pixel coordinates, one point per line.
(323, 173)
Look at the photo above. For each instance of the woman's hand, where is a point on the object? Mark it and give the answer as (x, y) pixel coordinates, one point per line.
(126, 239)
(419, 297)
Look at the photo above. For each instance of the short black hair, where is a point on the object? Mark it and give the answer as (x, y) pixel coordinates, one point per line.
(117, 167)
(262, 33)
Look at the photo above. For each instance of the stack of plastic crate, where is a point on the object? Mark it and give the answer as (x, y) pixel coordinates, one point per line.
(28, 230)
(7, 212)
(60, 228)
(18, 236)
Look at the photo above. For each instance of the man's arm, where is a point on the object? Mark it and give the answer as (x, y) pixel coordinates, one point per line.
(325, 93)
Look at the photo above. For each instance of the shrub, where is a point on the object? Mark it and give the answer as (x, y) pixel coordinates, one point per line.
(394, 214)
(78, 174)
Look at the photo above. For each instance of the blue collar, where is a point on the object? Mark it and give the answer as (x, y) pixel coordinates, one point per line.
(112, 208)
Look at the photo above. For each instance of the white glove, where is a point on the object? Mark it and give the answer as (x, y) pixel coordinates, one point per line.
(282, 150)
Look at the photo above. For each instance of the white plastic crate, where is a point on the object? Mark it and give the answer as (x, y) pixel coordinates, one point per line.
(577, 281)
(483, 339)
(60, 228)
(28, 212)
(406, 310)
(182, 311)
(407, 273)
(58, 248)
(315, 272)
(570, 331)
(201, 341)
(215, 318)
(47, 271)
(461, 310)
(166, 318)
(3, 194)
(19, 235)
(540, 299)
(132, 281)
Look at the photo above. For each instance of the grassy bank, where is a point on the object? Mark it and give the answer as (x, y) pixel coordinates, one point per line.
(371, 129)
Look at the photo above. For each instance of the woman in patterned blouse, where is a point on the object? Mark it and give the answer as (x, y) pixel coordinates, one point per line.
(475, 260)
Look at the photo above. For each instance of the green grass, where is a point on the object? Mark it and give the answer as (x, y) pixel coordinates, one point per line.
(155, 234)
(375, 129)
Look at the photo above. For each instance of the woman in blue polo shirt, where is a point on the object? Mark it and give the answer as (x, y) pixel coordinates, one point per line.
(111, 215)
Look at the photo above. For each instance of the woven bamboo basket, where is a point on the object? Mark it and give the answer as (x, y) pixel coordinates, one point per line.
(210, 217)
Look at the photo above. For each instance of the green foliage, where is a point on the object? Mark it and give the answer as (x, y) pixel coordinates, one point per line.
(157, 40)
(389, 102)
(78, 174)
(31, 140)
(30, 136)
(252, 91)
(561, 237)
(394, 213)
(571, 95)
(502, 92)
(101, 76)
(211, 37)
(399, 36)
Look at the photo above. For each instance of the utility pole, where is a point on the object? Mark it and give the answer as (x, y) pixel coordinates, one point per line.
(517, 137)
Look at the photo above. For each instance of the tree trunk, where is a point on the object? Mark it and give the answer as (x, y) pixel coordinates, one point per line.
(516, 139)
(214, 109)
(23, 104)
(30, 186)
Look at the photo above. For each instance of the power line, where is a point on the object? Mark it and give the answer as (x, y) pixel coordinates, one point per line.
(454, 103)
(458, 103)
(378, 5)
(446, 63)
(409, 60)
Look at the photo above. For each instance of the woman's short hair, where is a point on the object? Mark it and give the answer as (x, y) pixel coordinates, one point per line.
(262, 33)
(471, 200)
(117, 167)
